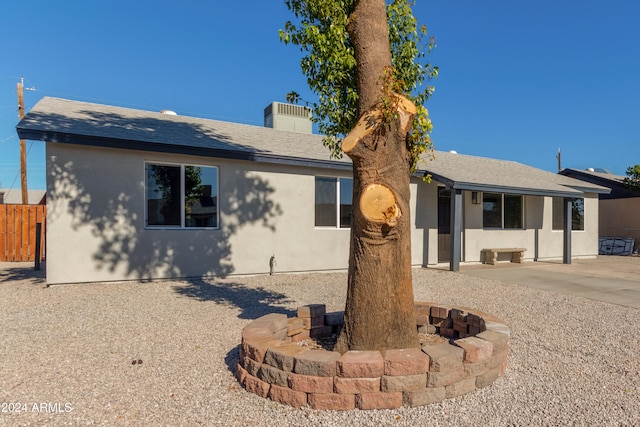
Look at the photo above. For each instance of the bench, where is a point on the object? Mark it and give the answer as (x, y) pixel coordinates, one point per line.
(491, 255)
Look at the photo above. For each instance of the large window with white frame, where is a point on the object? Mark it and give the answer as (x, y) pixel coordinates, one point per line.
(502, 211)
(577, 214)
(181, 196)
(333, 204)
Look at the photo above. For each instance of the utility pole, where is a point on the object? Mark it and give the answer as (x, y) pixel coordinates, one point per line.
(559, 157)
(23, 148)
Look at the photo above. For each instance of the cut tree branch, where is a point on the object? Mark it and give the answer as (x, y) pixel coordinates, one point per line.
(378, 203)
(374, 118)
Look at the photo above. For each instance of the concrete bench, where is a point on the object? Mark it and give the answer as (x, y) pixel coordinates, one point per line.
(491, 255)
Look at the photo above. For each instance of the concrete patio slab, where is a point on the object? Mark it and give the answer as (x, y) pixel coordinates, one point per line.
(611, 279)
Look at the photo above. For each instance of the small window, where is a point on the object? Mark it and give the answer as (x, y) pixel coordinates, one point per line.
(163, 195)
(558, 213)
(513, 211)
(346, 194)
(492, 210)
(181, 196)
(502, 211)
(333, 206)
(200, 196)
(326, 196)
(577, 214)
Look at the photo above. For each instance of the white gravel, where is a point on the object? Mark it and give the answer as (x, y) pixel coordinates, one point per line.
(66, 354)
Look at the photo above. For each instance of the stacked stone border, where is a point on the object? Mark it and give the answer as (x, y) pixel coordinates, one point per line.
(274, 365)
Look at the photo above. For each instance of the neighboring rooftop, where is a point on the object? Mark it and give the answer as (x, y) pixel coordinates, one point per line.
(597, 173)
(73, 122)
(13, 196)
(611, 181)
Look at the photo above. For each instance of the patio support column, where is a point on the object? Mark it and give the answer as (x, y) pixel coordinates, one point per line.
(456, 229)
(566, 247)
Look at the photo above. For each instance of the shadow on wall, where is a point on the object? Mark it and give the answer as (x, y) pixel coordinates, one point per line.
(114, 216)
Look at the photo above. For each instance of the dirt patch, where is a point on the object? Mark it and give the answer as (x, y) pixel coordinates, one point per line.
(328, 343)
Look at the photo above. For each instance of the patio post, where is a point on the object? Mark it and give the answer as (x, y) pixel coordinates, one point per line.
(456, 229)
(566, 249)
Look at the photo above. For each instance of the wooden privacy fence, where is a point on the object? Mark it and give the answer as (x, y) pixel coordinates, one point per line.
(18, 232)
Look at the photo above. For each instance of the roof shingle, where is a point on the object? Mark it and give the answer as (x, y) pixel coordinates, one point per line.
(66, 121)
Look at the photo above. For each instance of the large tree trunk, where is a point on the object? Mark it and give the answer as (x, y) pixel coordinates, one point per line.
(379, 312)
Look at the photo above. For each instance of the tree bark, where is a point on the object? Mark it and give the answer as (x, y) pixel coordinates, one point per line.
(379, 311)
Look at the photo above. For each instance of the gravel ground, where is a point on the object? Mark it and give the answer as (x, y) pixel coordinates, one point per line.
(66, 354)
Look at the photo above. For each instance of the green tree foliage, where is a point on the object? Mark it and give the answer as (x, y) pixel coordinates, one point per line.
(330, 66)
(632, 180)
(166, 177)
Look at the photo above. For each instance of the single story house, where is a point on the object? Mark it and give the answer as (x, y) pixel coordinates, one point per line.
(619, 210)
(142, 195)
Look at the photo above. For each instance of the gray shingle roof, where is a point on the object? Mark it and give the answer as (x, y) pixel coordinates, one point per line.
(66, 121)
(484, 174)
(62, 120)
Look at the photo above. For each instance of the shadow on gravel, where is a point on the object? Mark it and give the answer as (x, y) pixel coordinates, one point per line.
(254, 302)
(231, 358)
(25, 272)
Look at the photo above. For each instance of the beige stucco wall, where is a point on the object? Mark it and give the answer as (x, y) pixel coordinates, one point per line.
(476, 238)
(620, 218)
(96, 231)
(537, 236)
(96, 222)
(584, 244)
(424, 238)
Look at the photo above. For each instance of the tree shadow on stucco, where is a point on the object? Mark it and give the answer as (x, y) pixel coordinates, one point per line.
(114, 213)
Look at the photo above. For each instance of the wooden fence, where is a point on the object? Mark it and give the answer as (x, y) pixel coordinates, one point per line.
(18, 232)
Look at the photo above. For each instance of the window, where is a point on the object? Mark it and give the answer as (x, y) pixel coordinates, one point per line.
(577, 214)
(513, 211)
(181, 196)
(333, 202)
(502, 211)
(492, 210)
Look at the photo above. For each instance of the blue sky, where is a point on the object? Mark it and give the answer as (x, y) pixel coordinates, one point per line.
(518, 80)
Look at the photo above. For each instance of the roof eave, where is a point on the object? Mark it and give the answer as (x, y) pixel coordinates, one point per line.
(257, 156)
(488, 188)
(598, 190)
(527, 191)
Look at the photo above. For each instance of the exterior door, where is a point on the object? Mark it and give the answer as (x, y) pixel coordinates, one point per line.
(444, 225)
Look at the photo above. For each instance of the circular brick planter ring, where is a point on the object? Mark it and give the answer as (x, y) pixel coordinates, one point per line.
(273, 364)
